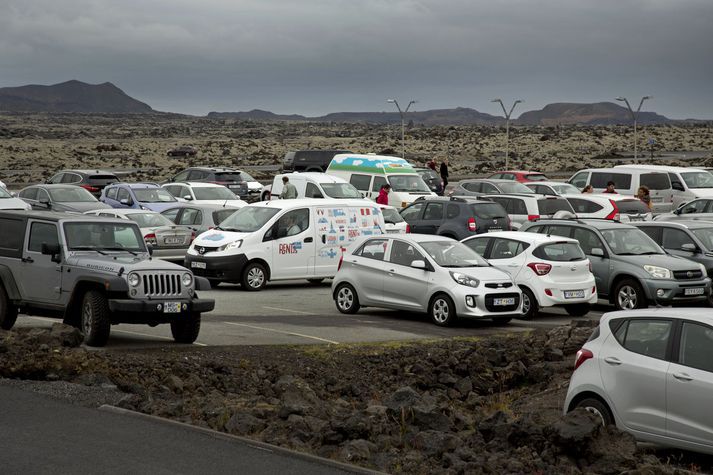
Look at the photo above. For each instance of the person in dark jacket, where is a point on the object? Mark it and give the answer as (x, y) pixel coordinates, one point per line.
(444, 173)
(431, 164)
(610, 188)
(383, 198)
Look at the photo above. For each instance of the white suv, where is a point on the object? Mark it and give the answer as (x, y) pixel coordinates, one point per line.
(550, 270)
(205, 193)
(609, 206)
(528, 207)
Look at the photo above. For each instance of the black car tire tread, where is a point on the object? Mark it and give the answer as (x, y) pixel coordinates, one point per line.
(98, 332)
(8, 312)
(186, 330)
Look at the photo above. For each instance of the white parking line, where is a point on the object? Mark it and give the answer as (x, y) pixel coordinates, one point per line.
(288, 310)
(283, 332)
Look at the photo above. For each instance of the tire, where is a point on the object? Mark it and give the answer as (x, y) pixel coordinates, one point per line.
(95, 318)
(346, 299)
(578, 309)
(254, 277)
(597, 407)
(186, 330)
(442, 310)
(214, 283)
(529, 304)
(628, 295)
(315, 281)
(8, 312)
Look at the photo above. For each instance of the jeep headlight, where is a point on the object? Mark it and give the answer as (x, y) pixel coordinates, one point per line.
(134, 279)
(463, 279)
(231, 245)
(658, 272)
(186, 279)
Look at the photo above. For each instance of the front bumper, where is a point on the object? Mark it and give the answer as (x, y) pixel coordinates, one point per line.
(675, 290)
(482, 303)
(152, 311)
(221, 269)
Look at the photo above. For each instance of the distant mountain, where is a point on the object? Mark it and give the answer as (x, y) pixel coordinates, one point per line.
(71, 96)
(600, 113)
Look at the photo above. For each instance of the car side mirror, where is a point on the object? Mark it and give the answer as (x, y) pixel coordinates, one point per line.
(126, 201)
(419, 264)
(188, 197)
(51, 250)
(45, 202)
(598, 251)
(689, 247)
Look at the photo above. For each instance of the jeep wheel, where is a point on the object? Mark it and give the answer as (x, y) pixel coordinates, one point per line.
(185, 330)
(8, 312)
(96, 318)
(254, 277)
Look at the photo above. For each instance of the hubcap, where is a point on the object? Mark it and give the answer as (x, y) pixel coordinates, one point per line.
(627, 298)
(256, 277)
(525, 303)
(596, 413)
(87, 318)
(345, 298)
(440, 311)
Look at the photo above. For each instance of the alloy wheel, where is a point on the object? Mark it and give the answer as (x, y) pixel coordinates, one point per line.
(440, 310)
(345, 298)
(627, 297)
(256, 277)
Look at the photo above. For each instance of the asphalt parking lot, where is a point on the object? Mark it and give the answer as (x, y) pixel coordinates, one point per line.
(296, 312)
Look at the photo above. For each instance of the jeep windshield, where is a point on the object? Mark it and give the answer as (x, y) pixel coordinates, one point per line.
(453, 254)
(248, 219)
(214, 193)
(630, 242)
(153, 195)
(408, 184)
(340, 190)
(72, 194)
(93, 236)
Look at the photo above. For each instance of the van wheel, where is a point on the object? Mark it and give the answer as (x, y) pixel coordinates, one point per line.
(529, 304)
(578, 309)
(629, 295)
(254, 277)
(185, 330)
(8, 312)
(598, 408)
(346, 299)
(96, 318)
(442, 310)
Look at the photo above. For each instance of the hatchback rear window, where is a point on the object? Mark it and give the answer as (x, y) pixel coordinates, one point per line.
(656, 181)
(632, 207)
(488, 210)
(536, 177)
(559, 252)
(102, 179)
(621, 180)
(228, 176)
(552, 205)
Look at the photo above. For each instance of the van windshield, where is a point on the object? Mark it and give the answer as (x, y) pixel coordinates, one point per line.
(698, 179)
(408, 184)
(342, 190)
(248, 219)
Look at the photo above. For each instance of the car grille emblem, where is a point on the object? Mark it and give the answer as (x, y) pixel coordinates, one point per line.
(689, 274)
(573, 268)
(201, 250)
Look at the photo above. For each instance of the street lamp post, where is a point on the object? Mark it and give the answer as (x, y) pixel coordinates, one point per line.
(635, 118)
(507, 126)
(401, 113)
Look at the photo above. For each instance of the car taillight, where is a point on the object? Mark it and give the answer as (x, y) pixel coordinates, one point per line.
(408, 228)
(540, 268)
(341, 259)
(532, 217)
(472, 227)
(90, 188)
(615, 212)
(150, 239)
(582, 356)
(594, 289)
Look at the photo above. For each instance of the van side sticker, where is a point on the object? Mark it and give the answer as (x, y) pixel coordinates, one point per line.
(213, 237)
(291, 248)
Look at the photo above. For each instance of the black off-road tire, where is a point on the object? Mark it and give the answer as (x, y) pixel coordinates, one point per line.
(529, 304)
(346, 299)
(251, 277)
(8, 312)
(636, 296)
(186, 330)
(578, 309)
(95, 318)
(442, 310)
(597, 407)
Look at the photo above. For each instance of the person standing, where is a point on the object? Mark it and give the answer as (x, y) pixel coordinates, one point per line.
(383, 198)
(431, 164)
(644, 195)
(444, 173)
(289, 192)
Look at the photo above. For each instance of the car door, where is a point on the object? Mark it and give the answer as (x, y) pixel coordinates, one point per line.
(123, 198)
(361, 183)
(507, 255)
(293, 246)
(367, 270)
(634, 369)
(588, 241)
(39, 277)
(689, 385)
(29, 196)
(191, 218)
(412, 215)
(695, 207)
(404, 286)
(673, 240)
(431, 220)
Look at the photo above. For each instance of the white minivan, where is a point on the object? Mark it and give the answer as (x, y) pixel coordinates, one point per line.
(282, 240)
(368, 173)
(687, 183)
(312, 185)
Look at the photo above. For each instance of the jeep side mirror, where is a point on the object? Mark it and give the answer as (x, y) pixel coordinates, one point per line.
(51, 250)
(689, 247)
(598, 251)
(149, 247)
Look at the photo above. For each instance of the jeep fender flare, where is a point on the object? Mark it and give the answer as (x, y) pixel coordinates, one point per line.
(109, 284)
(8, 281)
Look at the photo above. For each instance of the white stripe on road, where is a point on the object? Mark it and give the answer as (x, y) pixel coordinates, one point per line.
(283, 332)
(288, 310)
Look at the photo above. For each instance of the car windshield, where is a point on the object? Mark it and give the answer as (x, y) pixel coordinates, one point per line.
(149, 220)
(154, 195)
(565, 189)
(514, 187)
(214, 193)
(453, 254)
(340, 190)
(706, 236)
(233, 176)
(221, 215)
(408, 183)
(248, 219)
(698, 179)
(536, 177)
(104, 236)
(391, 216)
(4, 193)
(70, 195)
(630, 242)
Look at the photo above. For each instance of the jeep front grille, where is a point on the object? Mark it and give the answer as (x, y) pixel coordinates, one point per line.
(162, 285)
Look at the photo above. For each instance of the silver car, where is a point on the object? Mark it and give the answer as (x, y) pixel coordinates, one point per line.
(650, 373)
(424, 273)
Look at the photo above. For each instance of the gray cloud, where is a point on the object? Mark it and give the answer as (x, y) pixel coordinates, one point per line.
(318, 56)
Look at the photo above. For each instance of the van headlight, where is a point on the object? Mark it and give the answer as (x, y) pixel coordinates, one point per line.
(463, 279)
(658, 272)
(231, 245)
(186, 279)
(134, 279)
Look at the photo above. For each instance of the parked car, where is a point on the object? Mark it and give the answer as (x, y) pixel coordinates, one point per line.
(550, 270)
(182, 151)
(519, 175)
(701, 208)
(609, 206)
(206, 193)
(455, 217)
(424, 273)
(238, 181)
(60, 198)
(146, 196)
(168, 241)
(649, 373)
(393, 220)
(432, 179)
(554, 188)
(627, 181)
(312, 185)
(630, 269)
(93, 181)
(687, 183)
(486, 186)
(309, 160)
(198, 217)
(7, 201)
(524, 208)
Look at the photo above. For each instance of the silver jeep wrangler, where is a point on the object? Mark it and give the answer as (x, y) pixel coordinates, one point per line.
(92, 272)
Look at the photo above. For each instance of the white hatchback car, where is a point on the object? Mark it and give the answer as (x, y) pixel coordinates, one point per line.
(612, 206)
(394, 222)
(650, 372)
(204, 193)
(550, 270)
(424, 273)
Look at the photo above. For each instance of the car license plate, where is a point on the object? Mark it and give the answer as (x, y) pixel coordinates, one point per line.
(494, 230)
(172, 307)
(198, 265)
(694, 291)
(657, 200)
(173, 240)
(503, 302)
(574, 294)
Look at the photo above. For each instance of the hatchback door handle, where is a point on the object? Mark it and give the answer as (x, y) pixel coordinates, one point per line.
(682, 377)
(613, 361)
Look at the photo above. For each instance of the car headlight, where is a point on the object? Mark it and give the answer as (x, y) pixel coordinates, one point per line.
(134, 279)
(231, 245)
(186, 279)
(463, 279)
(658, 272)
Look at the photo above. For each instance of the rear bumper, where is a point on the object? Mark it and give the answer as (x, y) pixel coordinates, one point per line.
(222, 269)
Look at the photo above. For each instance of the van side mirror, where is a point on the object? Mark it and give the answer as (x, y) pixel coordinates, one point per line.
(420, 264)
(689, 247)
(598, 252)
(51, 249)
(677, 186)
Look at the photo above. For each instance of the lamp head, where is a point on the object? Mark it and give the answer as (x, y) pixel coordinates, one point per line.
(619, 98)
(391, 101)
(497, 100)
(647, 97)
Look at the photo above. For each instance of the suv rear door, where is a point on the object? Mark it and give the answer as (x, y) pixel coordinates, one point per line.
(431, 220)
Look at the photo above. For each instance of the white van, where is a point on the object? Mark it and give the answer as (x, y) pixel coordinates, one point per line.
(687, 183)
(314, 185)
(627, 181)
(369, 172)
(281, 240)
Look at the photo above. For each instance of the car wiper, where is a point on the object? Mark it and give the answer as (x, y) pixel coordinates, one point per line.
(232, 230)
(87, 248)
(120, 249)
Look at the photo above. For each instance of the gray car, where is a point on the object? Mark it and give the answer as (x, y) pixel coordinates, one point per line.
(701, 208)
(66, 198)
(487, 186)
(629, 268)
(198, 217)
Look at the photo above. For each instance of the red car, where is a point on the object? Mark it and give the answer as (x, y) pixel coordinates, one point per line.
(520, 175)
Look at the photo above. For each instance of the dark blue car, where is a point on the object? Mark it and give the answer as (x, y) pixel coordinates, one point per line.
(147, 196)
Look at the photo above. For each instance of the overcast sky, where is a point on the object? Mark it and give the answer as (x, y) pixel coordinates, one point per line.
(317, 56)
